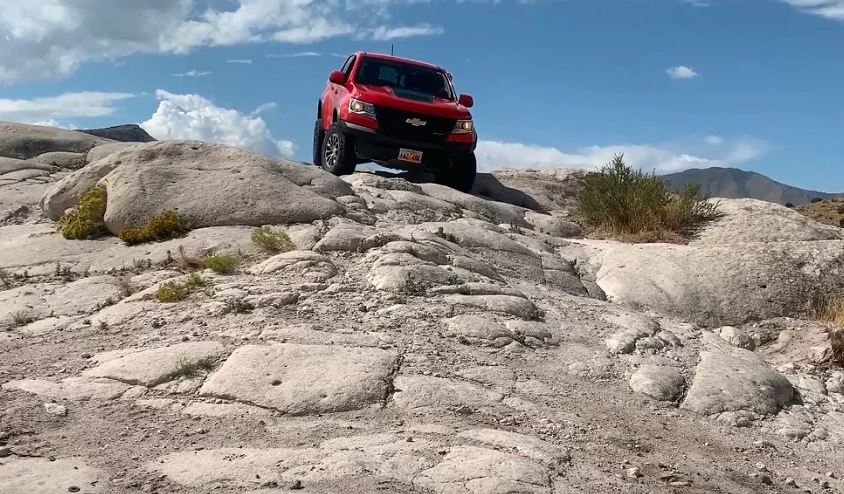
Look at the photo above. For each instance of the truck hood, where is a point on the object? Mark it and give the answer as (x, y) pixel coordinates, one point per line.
(410, 101)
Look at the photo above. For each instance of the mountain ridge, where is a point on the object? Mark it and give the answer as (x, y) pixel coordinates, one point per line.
(735, 183)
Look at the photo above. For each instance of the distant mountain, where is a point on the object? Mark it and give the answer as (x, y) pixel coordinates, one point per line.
(122, 133)
(735, 183)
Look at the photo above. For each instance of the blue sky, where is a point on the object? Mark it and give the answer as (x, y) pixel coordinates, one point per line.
(674, 84)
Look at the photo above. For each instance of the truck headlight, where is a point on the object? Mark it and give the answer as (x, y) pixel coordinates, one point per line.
(464, 127)
(361, 107)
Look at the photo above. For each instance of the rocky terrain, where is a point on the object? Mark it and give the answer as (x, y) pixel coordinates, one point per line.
(830, 212)
(416, 339)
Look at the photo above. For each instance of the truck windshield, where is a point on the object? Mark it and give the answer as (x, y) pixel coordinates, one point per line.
(406, 79)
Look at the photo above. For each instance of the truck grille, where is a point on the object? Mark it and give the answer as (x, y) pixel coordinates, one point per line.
(393, 123)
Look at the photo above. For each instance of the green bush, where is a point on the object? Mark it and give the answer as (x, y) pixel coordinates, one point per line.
(86, 221)
(271, 240)
(171, 292)
(789, 205)
(635, 206)
(159, 227)
(222, 263)
(816, 200)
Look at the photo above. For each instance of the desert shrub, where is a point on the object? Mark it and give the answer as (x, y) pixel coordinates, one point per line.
(159, 227)
(86, 221)
(4, 277)
(840, 209)
(816, 200)
(841, 222)
(633, 205)
(272, 240)
(222, 263)
(789, 205)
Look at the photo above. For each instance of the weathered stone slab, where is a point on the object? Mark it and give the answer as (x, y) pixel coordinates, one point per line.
(304, 379)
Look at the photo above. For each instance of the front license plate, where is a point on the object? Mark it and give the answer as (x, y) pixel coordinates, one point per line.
(410, 155)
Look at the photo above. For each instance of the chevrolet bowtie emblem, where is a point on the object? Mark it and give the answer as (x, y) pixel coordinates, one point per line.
(416, 122)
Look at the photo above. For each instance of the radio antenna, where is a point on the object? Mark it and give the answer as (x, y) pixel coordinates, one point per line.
(391, 49)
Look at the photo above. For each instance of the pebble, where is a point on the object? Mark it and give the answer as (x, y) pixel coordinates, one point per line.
(297, 485)
(55, 409)
(790, 482)
(634, 473)
(5, 451)
(761, 466)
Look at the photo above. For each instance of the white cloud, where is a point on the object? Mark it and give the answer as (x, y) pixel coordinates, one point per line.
(244, 61)
(385, 33)
(714, 140)
(681, 72)
(193, 73)
(51, 38)
(495, 154)
(190, 116)
(54, 109)
(831, 9)
(300, 54)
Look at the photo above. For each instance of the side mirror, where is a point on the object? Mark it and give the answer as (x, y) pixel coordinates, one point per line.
(466, 100)
(337, 77)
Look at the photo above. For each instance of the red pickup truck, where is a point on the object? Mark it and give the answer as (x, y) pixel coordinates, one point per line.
(399, 113)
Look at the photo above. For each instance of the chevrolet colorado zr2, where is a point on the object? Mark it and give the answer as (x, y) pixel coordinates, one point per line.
(399, 113)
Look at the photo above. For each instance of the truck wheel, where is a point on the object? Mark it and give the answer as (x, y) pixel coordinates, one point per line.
(319, 135)
(461, 174)
(338, 152)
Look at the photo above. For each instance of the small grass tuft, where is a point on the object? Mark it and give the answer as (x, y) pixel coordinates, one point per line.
(830, 308)
(631, 205)
(836, 340)
(86, 221)
(176, 291)
(223, 263)
(22, 318)
(273, 241)
(171, 292)
(189, 369)
(193, 281)
(4, 277)
(125, 287)
(238, 306)
(163, 226)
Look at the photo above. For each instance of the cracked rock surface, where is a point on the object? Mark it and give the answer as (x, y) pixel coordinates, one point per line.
(415, 339)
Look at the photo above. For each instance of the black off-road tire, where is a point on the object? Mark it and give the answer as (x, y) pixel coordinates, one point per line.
(319, 135)
(338, 152)
(460, 174)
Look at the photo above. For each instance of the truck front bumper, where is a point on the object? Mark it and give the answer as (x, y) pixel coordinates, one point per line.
(370, 145)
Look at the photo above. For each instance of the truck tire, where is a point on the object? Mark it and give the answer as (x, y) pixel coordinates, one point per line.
(460, 175)
(319, 135)
(338, 152)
